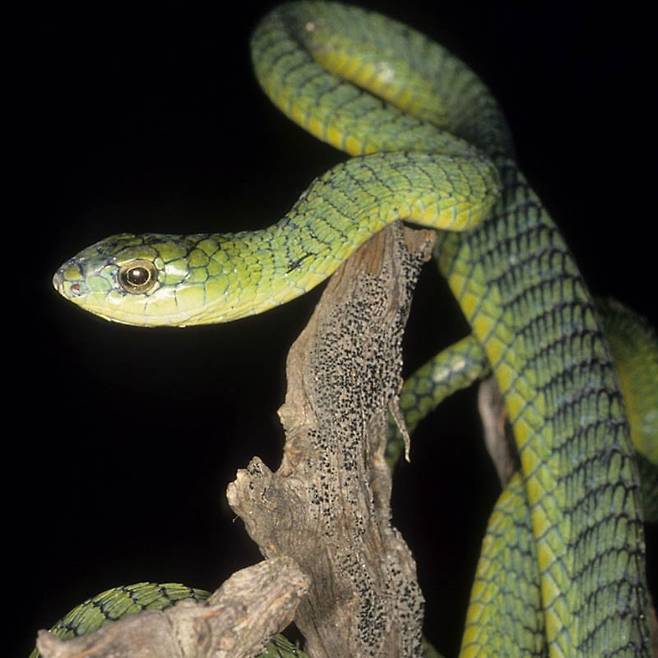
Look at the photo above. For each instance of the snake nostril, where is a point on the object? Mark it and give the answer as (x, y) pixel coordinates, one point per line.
(75, 288)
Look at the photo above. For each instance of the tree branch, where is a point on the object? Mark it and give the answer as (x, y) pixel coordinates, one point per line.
(236, 621)
(327, 506)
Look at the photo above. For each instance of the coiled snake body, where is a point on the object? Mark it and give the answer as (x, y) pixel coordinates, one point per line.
(562, 566)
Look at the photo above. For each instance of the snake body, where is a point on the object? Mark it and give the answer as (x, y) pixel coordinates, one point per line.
(562, 566)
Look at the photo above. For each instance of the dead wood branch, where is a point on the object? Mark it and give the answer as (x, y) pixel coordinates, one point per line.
(327, 506)
(237, 621)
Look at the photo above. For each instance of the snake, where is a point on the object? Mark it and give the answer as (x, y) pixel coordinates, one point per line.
(562, 566)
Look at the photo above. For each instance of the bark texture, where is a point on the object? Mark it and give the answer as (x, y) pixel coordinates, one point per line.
(327, 506)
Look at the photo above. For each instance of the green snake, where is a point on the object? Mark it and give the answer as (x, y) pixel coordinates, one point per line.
(562, 567)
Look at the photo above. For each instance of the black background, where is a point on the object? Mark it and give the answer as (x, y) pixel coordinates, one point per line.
(120, 441)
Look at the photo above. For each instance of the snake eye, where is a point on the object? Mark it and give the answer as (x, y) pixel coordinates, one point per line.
(137, 277)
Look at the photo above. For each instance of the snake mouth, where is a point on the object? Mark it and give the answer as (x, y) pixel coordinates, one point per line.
(138, 317)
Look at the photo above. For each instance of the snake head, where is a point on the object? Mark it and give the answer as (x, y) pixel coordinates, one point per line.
(147, 280)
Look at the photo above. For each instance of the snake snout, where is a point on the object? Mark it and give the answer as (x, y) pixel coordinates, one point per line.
(58, 281)
(68, 281)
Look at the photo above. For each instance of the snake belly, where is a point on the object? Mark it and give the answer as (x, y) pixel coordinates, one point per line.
(431, 146)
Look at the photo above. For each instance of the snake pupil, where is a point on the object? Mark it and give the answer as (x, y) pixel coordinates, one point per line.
(137, 276)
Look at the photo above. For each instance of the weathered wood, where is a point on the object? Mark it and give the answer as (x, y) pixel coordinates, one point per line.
(327, 506)
(497, 435)
(237, 621)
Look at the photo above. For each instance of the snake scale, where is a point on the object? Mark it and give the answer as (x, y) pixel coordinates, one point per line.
(562, 568)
